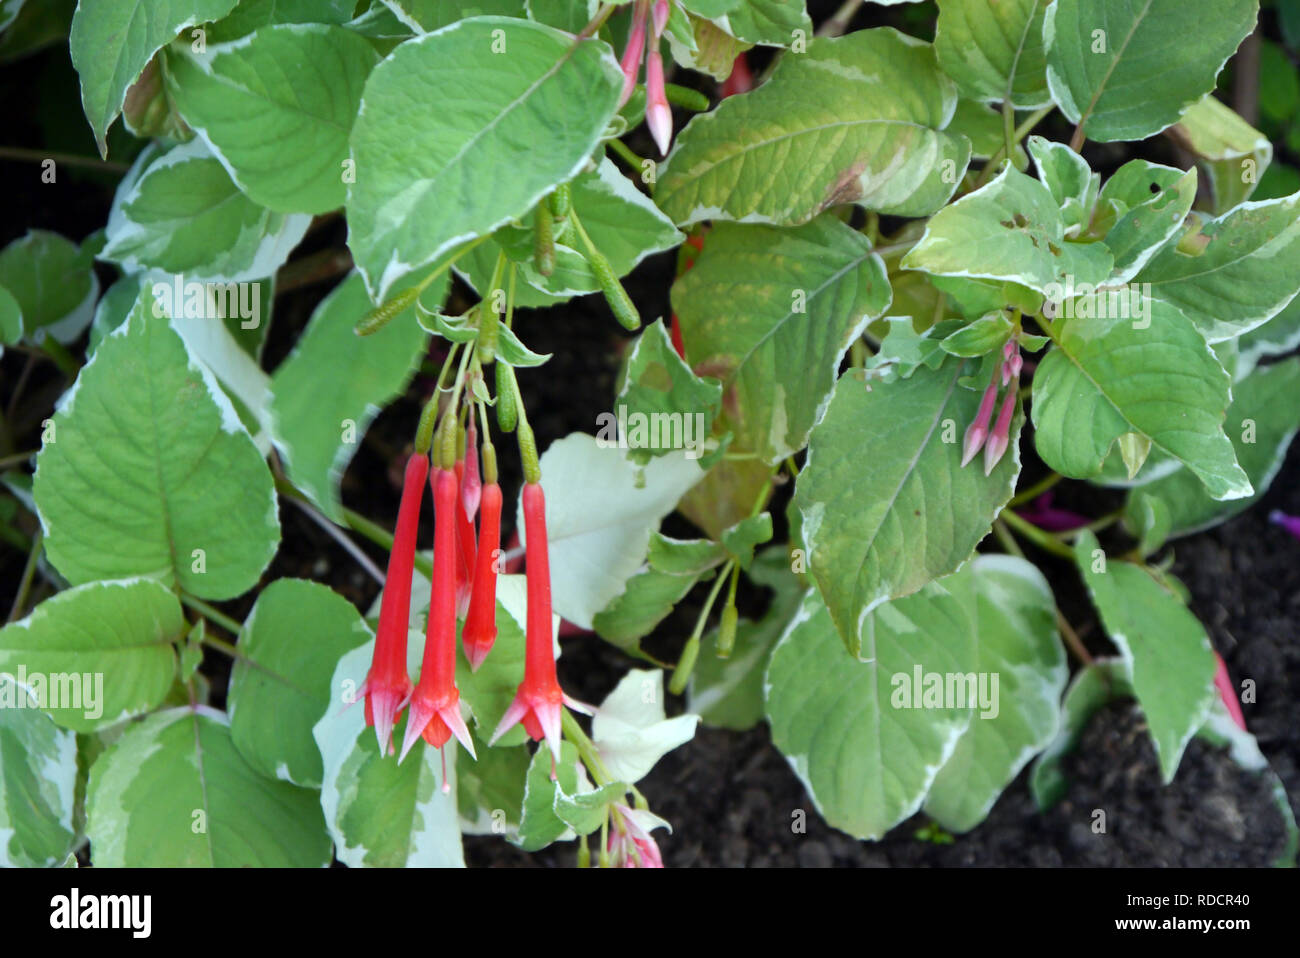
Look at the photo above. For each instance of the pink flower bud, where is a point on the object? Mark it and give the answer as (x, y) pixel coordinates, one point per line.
(999, 440)
(978, 430)
(658, 116)
(659, 17)
(633, 53)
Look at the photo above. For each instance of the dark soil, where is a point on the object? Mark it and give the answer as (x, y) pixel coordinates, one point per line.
(730, 796)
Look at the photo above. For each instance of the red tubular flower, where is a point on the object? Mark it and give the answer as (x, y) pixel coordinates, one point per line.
(538, 701)
(464, 549)
(481, 622)
(435, 704)
(387, 687)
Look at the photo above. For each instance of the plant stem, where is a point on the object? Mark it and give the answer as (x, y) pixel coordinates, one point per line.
(1020, 133)
(1072, 640)
(1037, 536)
(587, 750)
(839, 21)
(1009, 140)
(17, 458)
(211, 614)
(1036, 490)
(70, 159)
(29, 570)
(1007, 539)
(339, 536)
(66, 362)
(685, 665)
(625, 153)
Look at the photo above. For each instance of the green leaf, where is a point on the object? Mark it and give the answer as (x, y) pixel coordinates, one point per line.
(1246, 274)
(179, 212)
(771, 312)
(1092, 687)
(770, 22)
(98, 653)
(673, 569)
(425, 16)
(1149, 520)
(1021, 664)
(1126, 70)
(857, 119)
(319, 430)
(660, 396)
(427, 180)
(865, 749)
(1163, 643)
(249, 15)
(381, 814)
(38, 777)
(113, 41)
(599, 518)
(1064, 172)
(862, 526)
(986, 334)
(1261, 422)
(1108, 376)
(173, 792)
(728, 693)
(1012, 229)
(276, 108)
(995, 50)
(587, 811)
(1277, 336)
(1233, 153)
(741, 539)
(568, 15)
(623, 223)
(51, 288)
(491, 789)
(489, 691)
(291, 641)
(148, 471)
(1151, 202)
(541, 825)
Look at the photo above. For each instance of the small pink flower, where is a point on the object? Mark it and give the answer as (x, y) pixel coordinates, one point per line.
(630, 843)
(978, 430)
(659, 17)
(1000, 438)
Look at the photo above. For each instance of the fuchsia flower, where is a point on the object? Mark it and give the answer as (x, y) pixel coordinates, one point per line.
(1041, 514)
(995, 443)
(741, 79)
(464, 545)
(630, 843)
(480, 630)
(387, 687)
(1290, 523)
(658, 115)
(435, 704)
(634, 51)
(539, 699)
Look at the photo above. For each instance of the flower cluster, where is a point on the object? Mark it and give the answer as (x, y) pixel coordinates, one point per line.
(658, 115)
(1005, 376)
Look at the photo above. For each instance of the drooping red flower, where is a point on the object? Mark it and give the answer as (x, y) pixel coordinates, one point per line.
(481, 622)
(539, 699)
(634, 52)
(435, 704)
(464, 545)
(387, 686)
